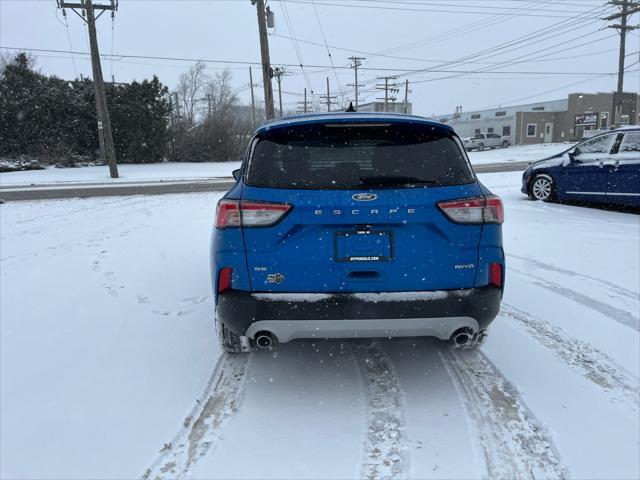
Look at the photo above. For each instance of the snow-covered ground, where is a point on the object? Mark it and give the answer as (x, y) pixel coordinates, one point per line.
(522, 153)
(129, 173)
(154, 172)
(109, 366)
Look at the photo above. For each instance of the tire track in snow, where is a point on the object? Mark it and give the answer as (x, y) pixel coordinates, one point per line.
(384, 445)
(201, 429)
(512, 441)
(621, 316)
(591, 363)
(616, 290)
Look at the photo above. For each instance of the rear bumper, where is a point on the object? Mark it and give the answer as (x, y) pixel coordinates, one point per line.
(348, 315)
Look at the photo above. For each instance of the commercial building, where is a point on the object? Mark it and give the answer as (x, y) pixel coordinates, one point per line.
(392, 107)
(578, 116)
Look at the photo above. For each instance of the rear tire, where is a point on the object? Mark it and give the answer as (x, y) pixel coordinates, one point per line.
(481, 147)
(543, 188)
(231, 342)
(505, 144)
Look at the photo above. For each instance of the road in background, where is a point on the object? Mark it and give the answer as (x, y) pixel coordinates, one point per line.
(218, 184)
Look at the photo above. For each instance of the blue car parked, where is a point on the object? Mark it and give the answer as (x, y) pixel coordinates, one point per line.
(604, 169)
(356, 225)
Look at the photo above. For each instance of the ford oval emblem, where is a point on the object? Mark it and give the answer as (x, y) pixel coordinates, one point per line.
(364, 197)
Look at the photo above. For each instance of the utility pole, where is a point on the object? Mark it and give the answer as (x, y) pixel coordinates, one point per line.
(266, 62)
(390, 90)
(279, 73)
(328, 98)
(105, 135)
(253, 100)
(627, 8)
(406, 96)
(303, 107)
(355, 64)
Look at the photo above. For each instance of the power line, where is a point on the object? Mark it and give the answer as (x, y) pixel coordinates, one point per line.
(512, 61)
(528, 39)
(66, 25)
(463, 30)
(483, 7)
(117, 57)
(427, 60)
(296, 47)
(430, 10)
(553, 90)
(324, 39)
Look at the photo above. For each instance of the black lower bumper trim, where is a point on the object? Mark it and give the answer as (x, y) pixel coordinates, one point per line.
(238, 310)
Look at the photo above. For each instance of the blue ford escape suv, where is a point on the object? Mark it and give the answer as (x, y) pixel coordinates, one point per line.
(356, 225)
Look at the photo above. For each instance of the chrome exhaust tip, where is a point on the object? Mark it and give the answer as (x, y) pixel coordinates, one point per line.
(264, 340)
(463, 337)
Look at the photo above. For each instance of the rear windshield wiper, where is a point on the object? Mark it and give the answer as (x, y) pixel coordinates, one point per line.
(395, 181)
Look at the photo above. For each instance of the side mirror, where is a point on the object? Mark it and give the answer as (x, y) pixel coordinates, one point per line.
(574, 154)
(236, 174)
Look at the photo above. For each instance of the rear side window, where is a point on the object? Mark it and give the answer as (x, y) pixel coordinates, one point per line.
(630, 142)
(357, 156)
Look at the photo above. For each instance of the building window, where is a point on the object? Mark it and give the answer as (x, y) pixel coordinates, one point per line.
(500, 114)
(477, 131)
(475, 116)
(538, 108)
(490, 130)
(506, 131)
(604, 120)
(531, 129)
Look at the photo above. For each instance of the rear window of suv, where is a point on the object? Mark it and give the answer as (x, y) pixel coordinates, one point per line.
(354, 156)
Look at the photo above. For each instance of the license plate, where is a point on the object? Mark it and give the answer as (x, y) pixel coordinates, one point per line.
(363, 246)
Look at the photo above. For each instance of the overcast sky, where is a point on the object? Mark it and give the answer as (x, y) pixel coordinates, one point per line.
(562, 46)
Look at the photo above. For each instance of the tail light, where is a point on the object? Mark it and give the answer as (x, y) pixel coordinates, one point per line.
(224, 279)
(236, 213)
(495, 274)
(228, 214)
(474, 210)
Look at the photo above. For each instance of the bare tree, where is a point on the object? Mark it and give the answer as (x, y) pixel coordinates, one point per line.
(221, 96)
(213, 128)
(191, 91)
